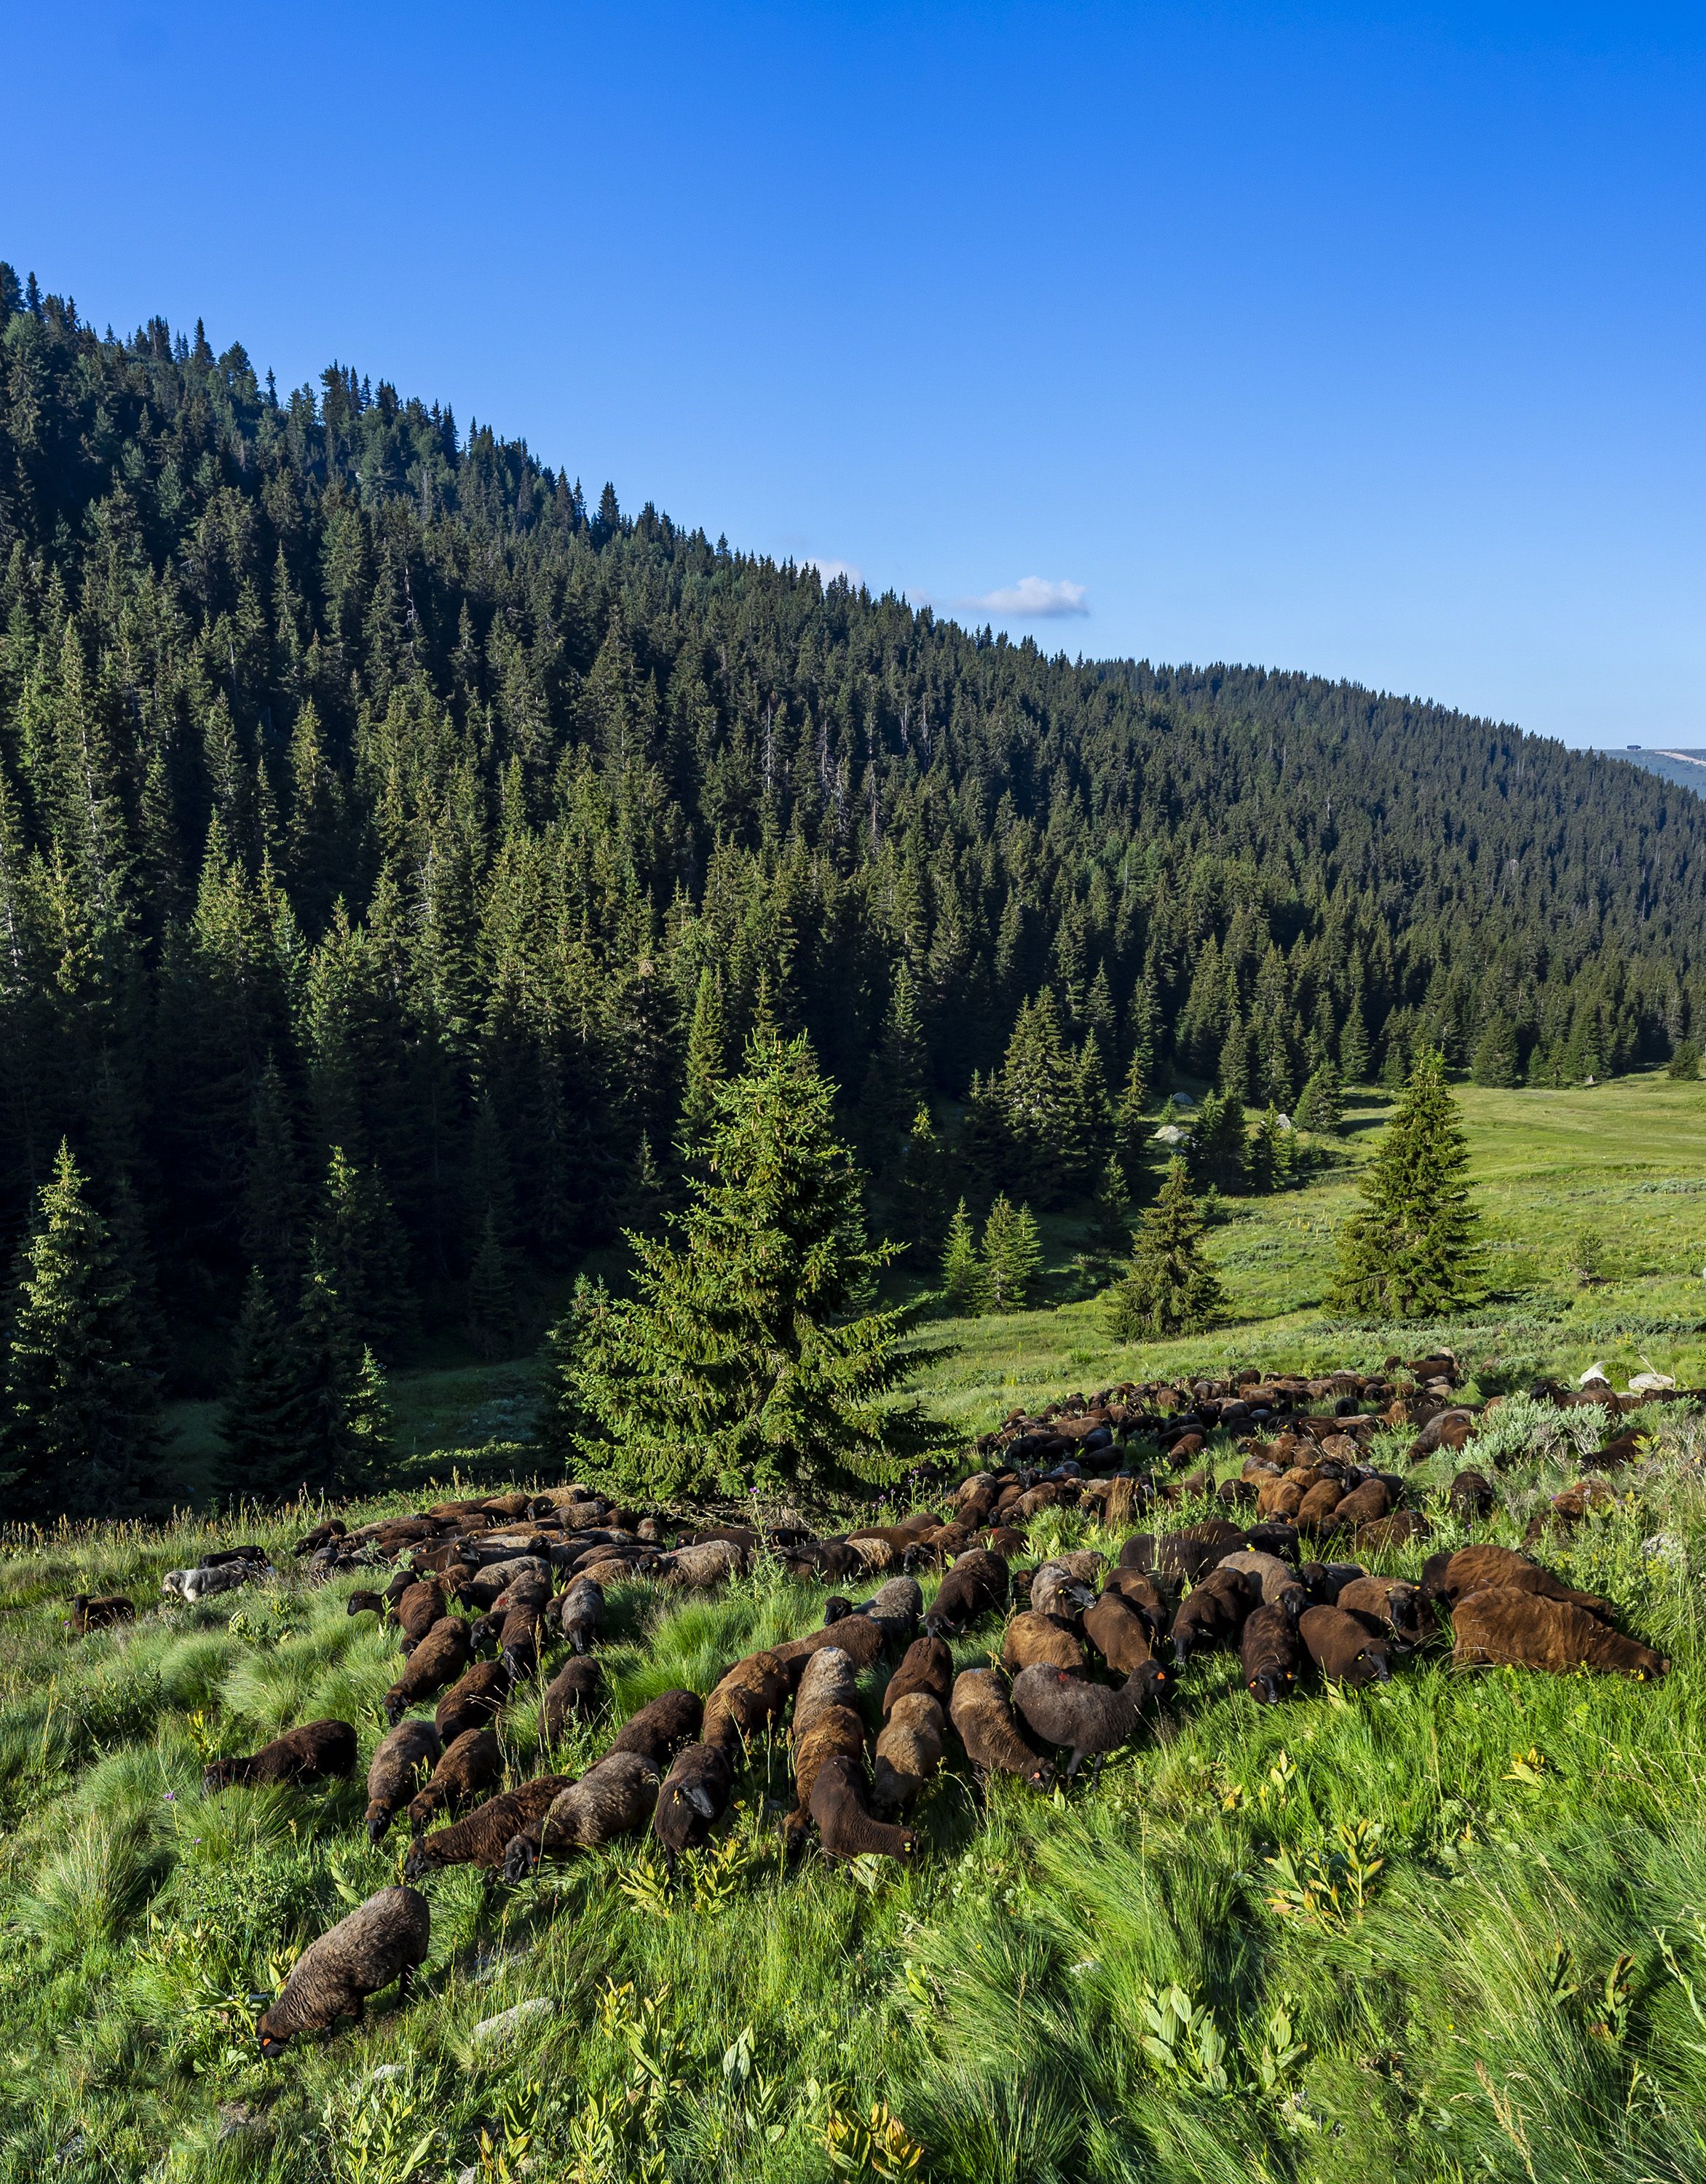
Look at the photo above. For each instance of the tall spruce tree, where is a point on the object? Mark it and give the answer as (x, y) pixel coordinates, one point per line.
(746, 1356)
(1009, 1256)
(1410, 1249)
(921, 1190)
(1107, 1234)
(1321, 1109)
(707, 1064)
(81, 1428)
(1131, 1124)
(1218, 1150)
(264, 1421)
(962, 1280)
(1169, 1286)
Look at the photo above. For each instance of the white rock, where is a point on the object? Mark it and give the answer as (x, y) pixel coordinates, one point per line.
(1169, 1133)
(1645, 1383)
(491, 2030)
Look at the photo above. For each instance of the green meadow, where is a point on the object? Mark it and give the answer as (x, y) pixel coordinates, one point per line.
(1451, 1928)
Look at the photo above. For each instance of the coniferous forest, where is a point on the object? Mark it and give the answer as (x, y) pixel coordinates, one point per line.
(399, 847)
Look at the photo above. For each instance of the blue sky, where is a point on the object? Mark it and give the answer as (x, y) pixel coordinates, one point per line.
(1365, 339)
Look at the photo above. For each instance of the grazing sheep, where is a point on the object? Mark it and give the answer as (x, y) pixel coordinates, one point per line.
(1034, 1640)
(1471, 1495)
(482, 1837)
(1501, 1624)
(1151, 1596)
(1271, 1653)
(471, 1701)
(926, 1665)
(474, 1763)
(895, 1607)
(518, 1641)
(1397, 1530)
(1277, 1579)
(703, 1568)
(394, 1773)
(1118, 1633)
(1394, 1603)
(365, 1603)
(988, 1727)
(1212, 1613)
(1197, 1548)
(829, 1679)
(840, 1808)
(1085, 1719)
(836, 1732)
(1325, 1581)
(617, 1797)
(832, 1561)
(909, 1751)
(658, 1731)
(1344, 1647)
(382, 1940)
(308, 1754)
(1055, 1591)
(322, 1536)
(581, 1613)
(1367, 1504)
(694, 1797)
(977, 1585)
(1453, 1576)
(1318, 1511)
(439, 1658)
(89, 1614)
(576, 1692)
(860, 1637)
(207, 1578)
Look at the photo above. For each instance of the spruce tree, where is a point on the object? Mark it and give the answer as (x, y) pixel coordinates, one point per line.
(1269, 1158)
(921, 1192)
(264, 1419)
(962, 1281)
(1218, 1153)
(1321, 1108)
(1409, 1252)
(1107, 1234)
(1494, 1062)
(80, 1425)
(491, 1294)
(707, 1062)
(1354, 1043)
(365, 1254)
(1169, 1286)
(1009, 1257)
(1131, 1125)
(335, 1379)
(747, 1356)
(1684, 1065)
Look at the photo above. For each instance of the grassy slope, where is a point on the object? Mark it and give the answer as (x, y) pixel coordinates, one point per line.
(1464, 2008)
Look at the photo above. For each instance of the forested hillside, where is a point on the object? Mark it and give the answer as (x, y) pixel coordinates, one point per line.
(385, 829)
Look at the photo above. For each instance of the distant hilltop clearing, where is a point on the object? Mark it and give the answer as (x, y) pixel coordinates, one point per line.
(1686, 766)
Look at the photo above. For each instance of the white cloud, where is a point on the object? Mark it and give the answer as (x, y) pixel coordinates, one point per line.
(829, 569)
(1033, 598)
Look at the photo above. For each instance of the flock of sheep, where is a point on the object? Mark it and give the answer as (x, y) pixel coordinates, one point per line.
(482, 1590)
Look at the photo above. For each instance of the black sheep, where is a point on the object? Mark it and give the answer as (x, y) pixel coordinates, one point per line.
(1085, 1719)
(308, 1754)
(1272, 1653)
(1212, 1613)
(977, 1585)
(576, 1692)
(660, 1728)
(473, 1763)
(692, 1797)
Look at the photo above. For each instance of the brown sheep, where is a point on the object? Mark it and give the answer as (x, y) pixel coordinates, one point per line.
(694, 1797)
(617, 1796)
(365, 1603)
(840, 1807)
(1197, 1548)
(1086, 1719)
(322, 1536)
(1528, 1630)
(926, 1665)
(1454, 1575)
(382, 1940)
(308, 1754)
(989, 1730)
(482, 1837)
(1318, 1511)
(472, 1700)
(1149, 1596)
(660, 1728)
(418, 1607)
(438, 1659)
(581, 1612)
(87, 1614)
(1394, 1603)
(895, 1607)
(1278, 1580)
(831, 1561)
(752, 1696)
(1471, 1495)
(909, 1751)
(1397, 1530)
(1212, 1613)
(1271, 1651)
(1118, 1633)
(1344, 1647)
(575, 1693)
(836, 1732)
(394, 1773)
(702, 1568)
(829, 1679)
(1059, 1592)
(1366, 1504)
(977, 1585)
(862, 1639)
(474, 1763)
(1032, 1641)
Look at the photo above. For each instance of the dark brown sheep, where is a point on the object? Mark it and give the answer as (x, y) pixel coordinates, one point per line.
(87, 1614)
(482, 1837)
(1118, 1633)
(1033, 1641)
(473, 1699)
(322, 1536)
(1396, 1604)
(1318, 1511)
(977, 1585)
(926, 1665)
(863, 1639)
(1059, 1592)
(1276, 1580)
(394, 1773)
(895, 1607)
(1212, 1613)
(575, 1693)
(382, 1940)
(1086, 1719)
(832, 1561)
(660, 1728)
(419, 1607)
(835, 1732)
(840, 1807)
(694, 1797)
(988, 1727)
(1471, 1495)
(1453, 1576)
(1344, 1647)
(615, 1797)
(365, 1603)
(1398, 1531)
(473, 1763)
(829, 1679)
(1188, 1553)
(1153, 1597)
(1272, 1652)
(909, 1751)
(1500, 1624)
(518, 1641)
(439, 1658)
(581, 1613)
(1366, 1504)
(317, 1749)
